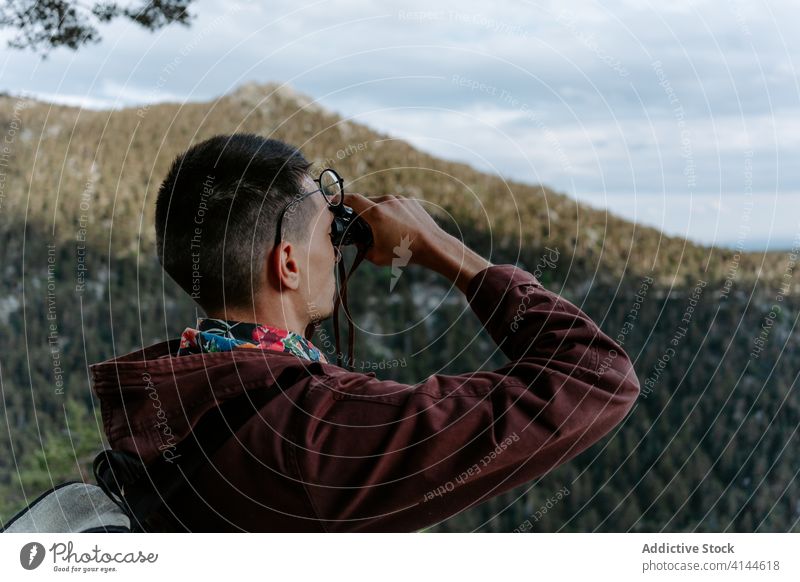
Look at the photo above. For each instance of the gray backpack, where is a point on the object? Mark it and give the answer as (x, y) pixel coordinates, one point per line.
(71, 507)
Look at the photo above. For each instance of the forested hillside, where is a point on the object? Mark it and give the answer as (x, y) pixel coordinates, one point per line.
(711, 445)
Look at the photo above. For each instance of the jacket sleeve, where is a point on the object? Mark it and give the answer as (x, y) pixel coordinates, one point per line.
(376, 455)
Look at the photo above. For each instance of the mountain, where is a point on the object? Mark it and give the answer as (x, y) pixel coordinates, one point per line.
(711, 445)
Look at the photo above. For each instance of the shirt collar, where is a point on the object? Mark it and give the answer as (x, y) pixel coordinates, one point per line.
(220, 335)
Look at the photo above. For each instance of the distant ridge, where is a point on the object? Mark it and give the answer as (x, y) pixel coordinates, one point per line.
(132, 147)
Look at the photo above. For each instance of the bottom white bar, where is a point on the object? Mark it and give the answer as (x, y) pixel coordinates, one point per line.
(379, 557)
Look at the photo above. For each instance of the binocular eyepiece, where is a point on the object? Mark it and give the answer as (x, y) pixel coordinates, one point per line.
(350, 229)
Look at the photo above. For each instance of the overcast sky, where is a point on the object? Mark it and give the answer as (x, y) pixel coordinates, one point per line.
(683, 116)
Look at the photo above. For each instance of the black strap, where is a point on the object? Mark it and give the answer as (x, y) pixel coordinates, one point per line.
(341, 297)
(140, 490)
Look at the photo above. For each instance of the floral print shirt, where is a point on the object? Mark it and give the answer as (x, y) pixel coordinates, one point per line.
(222, 335)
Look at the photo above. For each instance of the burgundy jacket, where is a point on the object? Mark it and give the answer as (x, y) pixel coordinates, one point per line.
(346, 451)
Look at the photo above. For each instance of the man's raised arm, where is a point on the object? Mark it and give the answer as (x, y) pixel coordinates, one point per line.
(378, 455)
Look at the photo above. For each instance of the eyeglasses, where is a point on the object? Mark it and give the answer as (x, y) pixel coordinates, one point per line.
(332, 187)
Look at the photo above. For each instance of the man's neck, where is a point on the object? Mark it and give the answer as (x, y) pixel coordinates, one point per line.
(287, 323)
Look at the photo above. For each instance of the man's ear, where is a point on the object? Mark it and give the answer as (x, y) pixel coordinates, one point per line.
(285, 266)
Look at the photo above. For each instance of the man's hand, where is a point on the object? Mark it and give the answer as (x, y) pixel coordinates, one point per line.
(392, 219)
(395, 218)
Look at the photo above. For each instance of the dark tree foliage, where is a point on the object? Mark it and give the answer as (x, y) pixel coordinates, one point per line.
(43, 25)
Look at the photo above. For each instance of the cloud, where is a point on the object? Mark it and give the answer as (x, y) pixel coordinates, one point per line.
(598, 115)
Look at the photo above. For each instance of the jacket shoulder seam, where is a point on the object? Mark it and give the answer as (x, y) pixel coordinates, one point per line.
(417, 389)
(221, 393)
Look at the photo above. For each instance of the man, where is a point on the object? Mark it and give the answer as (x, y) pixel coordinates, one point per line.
(337, 450)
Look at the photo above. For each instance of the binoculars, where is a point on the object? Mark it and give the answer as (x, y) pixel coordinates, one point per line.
(350, 229)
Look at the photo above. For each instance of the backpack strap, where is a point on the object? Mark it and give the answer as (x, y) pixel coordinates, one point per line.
(141, 490)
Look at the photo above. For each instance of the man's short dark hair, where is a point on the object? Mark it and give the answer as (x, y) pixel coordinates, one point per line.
(216, 215)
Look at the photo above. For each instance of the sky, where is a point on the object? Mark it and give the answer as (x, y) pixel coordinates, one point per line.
(684, 116)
